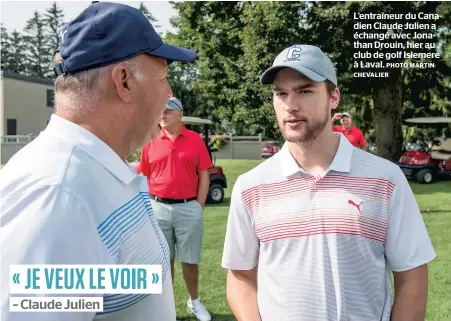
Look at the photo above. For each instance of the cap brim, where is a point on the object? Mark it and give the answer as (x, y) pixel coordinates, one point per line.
(174, 106)
(268, 76)
(173, 53)
(168, 107)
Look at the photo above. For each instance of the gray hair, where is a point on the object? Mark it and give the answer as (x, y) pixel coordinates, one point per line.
(78, 93)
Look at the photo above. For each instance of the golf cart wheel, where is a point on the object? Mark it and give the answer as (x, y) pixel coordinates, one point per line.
(216, 193)
(425, 176)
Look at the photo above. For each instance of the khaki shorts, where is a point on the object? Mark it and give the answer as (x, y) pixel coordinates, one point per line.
(183, 226)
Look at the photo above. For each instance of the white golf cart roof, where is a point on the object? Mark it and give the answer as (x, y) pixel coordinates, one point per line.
(196, 121)
(428, 120)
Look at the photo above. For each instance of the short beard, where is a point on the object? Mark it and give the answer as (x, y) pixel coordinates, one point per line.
(311, 132)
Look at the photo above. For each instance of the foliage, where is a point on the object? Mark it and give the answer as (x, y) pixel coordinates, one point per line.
(135, 157)
(36, 54)
(53, 20)
(147, 13)
(219, 141)
(211, 28)
(30, 52)
(237, 41)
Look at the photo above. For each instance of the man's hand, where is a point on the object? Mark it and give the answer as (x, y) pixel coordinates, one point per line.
(204, 184)
(337, 116)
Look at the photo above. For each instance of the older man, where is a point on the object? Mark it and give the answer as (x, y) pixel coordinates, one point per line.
(176, 164)
(352, 133)
(315, 231)
(69, 197)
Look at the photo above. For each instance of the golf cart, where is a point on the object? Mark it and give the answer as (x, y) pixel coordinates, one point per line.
(218, 181)
(429, 161)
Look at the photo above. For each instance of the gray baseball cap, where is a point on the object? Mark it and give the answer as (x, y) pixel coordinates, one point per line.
(174, 104)
(346, 114)
(306, 59)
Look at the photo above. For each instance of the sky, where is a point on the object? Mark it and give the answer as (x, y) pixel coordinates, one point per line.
(14, 14)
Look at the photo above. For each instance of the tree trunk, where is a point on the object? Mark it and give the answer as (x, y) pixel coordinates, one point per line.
(388, 102)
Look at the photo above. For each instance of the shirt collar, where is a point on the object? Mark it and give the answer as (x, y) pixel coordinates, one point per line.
(183, 132)
(340, 163)
(91, 145)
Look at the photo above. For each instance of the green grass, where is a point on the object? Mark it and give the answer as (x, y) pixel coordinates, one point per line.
(434, 201)
(212, 277)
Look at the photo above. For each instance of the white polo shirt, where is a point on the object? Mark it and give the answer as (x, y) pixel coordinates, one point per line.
(68, 198)
(324, 245)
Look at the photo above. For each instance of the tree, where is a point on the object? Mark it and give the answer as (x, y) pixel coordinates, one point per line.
(212, 30)
(146, 12)
(53, 23)
(12, 51)
(4, 47)
(388, 94)
(237, 41)
(182, 78)
(149, 16)
(16, 60)
(36, 53)
(269, 27)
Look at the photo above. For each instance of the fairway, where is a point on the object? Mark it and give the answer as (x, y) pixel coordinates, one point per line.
(434, 201)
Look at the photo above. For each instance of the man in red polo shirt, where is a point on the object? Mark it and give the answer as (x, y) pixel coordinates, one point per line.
(176, 165)
(353, 134)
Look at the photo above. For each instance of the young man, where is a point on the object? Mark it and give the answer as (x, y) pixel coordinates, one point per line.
(176, 164)
(352, 133)
(69, 197)
(322, 221)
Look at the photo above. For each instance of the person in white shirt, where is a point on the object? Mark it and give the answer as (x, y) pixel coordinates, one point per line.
(323, 222)
(69, 196)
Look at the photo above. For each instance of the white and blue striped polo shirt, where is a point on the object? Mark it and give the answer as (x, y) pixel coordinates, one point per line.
(325, 245)
(67, 198)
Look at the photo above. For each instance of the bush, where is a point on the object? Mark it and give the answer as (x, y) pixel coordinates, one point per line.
(219, 141)
(135, 156)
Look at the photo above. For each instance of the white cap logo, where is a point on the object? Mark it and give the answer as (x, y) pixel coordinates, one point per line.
(62, 33)
(294, 53)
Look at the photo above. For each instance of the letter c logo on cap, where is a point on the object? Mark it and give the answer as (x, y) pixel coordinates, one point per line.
(294, 53)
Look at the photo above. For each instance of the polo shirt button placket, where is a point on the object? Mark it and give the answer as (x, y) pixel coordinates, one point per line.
(312, 192)
(311, 200)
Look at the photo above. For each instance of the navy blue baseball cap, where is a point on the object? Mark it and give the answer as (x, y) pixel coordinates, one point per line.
(106, 33)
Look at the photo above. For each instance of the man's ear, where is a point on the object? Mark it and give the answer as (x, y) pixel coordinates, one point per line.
(334, 98)
(122, 80)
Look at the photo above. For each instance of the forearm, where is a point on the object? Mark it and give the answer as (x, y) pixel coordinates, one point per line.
(362, 144)
(202, 192)
(410, 299)
(408, 308)
(242, 297)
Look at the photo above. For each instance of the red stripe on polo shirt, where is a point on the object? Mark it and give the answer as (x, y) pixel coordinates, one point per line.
(330, 217)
